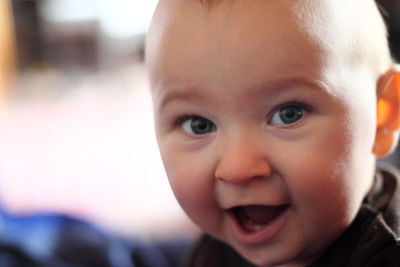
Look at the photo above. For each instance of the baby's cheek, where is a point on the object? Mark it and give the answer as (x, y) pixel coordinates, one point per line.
(193, 188)
(320, 178)
(330, 198)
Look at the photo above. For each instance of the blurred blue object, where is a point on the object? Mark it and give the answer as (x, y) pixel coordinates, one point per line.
(57, 240)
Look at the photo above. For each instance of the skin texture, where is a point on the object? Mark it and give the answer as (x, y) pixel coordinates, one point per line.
(237, 65)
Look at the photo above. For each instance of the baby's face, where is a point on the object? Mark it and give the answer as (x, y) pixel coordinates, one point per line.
(264, 123)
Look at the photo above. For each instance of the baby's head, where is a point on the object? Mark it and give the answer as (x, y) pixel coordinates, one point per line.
(266, 117)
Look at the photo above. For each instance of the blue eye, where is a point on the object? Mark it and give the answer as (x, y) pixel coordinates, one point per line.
(197, 125)
(287, 115)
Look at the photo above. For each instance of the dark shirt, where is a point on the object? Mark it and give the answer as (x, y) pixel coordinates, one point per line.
(373, 239)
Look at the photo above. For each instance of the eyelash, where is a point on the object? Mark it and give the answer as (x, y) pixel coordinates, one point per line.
(182, 119)
(178, 122)
(299, 104)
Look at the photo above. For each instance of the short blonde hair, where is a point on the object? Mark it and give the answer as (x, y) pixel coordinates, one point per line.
(210, 3)
(373, 39)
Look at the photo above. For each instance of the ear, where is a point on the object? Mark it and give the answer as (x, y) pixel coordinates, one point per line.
(388, 112)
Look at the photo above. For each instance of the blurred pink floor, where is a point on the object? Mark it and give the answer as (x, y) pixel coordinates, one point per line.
(90, 152)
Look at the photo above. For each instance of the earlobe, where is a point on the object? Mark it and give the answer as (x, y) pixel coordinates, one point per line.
(388, 112)
(384, 142)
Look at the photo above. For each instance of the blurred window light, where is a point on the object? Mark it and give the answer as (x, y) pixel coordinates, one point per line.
(125, 18)
(70, 10)
(118, 18)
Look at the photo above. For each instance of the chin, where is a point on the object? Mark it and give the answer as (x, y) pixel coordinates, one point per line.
(282, 258)
(263, 260)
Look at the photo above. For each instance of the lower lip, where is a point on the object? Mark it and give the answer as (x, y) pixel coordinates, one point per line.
(265, 234)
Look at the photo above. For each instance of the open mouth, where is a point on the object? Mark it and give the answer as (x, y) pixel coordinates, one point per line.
(254, 218)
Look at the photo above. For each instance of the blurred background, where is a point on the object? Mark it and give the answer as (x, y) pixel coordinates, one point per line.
(76, 129)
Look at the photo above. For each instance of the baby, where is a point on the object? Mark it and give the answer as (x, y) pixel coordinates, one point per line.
(269, 116)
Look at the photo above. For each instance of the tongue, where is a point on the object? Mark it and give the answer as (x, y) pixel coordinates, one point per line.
(260, 214)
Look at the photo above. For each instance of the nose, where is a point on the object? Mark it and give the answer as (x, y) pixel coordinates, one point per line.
(241, 160)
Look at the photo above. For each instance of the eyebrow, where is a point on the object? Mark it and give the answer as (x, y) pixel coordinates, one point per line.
(286, 85)
(271, 87)
(182, 94)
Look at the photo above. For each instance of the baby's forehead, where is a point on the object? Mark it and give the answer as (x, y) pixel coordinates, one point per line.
(321, 12)
(352, 28)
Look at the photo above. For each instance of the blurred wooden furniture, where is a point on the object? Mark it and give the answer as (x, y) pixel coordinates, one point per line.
(7, 47)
